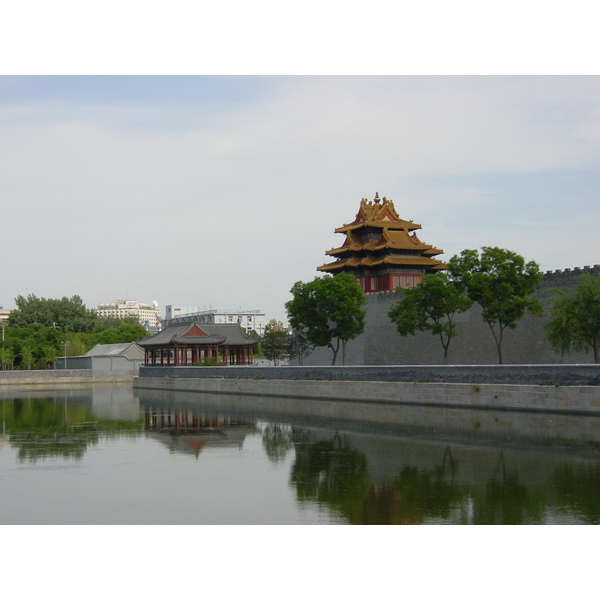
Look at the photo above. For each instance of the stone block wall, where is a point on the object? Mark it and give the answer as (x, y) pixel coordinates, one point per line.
(537, 398)
(380, 344)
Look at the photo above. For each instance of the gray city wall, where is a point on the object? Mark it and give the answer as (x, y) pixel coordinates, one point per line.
(380, 344)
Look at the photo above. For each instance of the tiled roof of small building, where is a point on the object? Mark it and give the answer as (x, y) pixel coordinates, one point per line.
(193, 334)
(111, 349)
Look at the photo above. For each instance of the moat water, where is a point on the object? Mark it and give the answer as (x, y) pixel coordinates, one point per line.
(114, 455)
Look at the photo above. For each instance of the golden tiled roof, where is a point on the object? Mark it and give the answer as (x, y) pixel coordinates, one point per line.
(371, 261)
(393, 240)
(373, 237)
(378, 213)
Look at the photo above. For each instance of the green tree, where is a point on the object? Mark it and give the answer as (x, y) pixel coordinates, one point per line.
(6, 359)
(67, 313)
(299, 346)
(49, 354)
(500, 282)
(431, 306)
(121, 332)
(27, 355)
(26, 344)
(329, 310)
(275, 341)
(575, 321)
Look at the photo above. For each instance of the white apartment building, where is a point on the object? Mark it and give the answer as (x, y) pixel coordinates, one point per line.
(248, 320)
(148, 315)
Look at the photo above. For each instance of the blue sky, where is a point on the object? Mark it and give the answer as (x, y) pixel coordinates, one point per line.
(226, 190)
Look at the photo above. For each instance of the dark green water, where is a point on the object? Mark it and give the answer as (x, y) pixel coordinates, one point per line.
(112, 455)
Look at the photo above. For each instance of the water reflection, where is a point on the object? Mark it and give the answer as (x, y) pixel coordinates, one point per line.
(277, 441)
(578, 490)
(189, 430)
(200, 458)
(55, 427)
(482, 487)
(330, 471)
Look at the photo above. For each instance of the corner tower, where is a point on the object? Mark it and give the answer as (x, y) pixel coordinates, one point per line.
(382, 250)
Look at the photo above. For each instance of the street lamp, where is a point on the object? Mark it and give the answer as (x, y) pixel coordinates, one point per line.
(3, 326)
(65, 344)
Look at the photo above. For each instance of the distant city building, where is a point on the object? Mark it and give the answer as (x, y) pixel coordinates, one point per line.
(4, 312)
(148, 315)
(382, 250)
(248, 320)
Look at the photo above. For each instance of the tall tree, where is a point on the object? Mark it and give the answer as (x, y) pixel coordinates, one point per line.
(431, 306)
(27, 355)
(275, 341)
(575, 321)
(69, 314)
(501, 283)
(329, 310)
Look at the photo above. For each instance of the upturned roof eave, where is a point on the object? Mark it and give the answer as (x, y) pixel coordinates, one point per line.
(427, 263)
(408, 225)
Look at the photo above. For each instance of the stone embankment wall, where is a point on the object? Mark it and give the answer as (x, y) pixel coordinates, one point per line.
(588, 375)
(55, 377)
(380, 344)
(399, 385)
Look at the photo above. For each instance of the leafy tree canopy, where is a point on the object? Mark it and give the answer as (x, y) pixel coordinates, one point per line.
(329, 310)
(68, 314)
(431, 306)
(35, 346)
(575, 322)
(128, 330)
(275, 341)
(500, 282)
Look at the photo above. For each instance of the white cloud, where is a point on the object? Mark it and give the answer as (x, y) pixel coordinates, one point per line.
(111, 198)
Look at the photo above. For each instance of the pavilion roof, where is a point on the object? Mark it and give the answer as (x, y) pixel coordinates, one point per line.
(194, 334)
(378, 213)
(374, 261)
(390, 239)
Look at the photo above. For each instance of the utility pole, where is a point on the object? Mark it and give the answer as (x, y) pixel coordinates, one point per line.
(64, 345)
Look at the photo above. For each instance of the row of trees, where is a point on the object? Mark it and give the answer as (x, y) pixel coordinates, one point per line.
(41, 329)
(498, 280)
(327, 311)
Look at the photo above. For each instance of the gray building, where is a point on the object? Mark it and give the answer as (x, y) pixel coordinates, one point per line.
(107, 359)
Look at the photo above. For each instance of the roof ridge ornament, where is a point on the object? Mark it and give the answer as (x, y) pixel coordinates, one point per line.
(376, 199)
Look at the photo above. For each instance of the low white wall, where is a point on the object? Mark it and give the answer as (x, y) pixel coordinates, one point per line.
(63, 377)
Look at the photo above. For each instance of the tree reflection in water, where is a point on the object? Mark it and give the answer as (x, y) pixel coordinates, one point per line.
(277, 441)
(45, 427)
(336, 475)
(578, 491)
(330, 472)
(415, 496)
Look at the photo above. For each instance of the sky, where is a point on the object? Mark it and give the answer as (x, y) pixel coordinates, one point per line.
(223, 191)
(481, 121)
